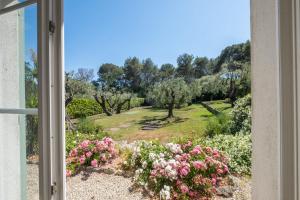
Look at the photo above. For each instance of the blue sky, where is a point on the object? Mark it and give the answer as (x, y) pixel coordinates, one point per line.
(100, 31)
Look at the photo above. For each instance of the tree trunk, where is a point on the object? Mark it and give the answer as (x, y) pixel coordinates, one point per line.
(171, 106)
(68, 100)
(102, 104)
(119, 107)
(232, 93)
(170, 110)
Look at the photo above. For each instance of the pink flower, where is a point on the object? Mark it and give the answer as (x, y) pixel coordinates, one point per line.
(196, 151)
(82, 160)
(89, 154)
(226, 169)
(184, 170)
(199, 165)
(214, 181)
(94, 163)
(68, 173)
(107, 140)
(85, 144)
(74, 152)
(184, 188)
(193, 194)
(208, 150)
(220, 171)
(103, 158)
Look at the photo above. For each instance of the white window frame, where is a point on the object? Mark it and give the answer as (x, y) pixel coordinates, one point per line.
(275, 72)
(51, 94)
(275, 90)
(51, 108)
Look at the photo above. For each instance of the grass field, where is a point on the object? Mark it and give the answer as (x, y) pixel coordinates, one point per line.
(128, 125)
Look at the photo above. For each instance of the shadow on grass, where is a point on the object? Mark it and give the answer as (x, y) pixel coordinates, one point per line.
(156, 122)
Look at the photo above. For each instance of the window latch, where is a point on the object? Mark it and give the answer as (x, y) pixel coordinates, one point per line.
(51, 27)
(53, 189)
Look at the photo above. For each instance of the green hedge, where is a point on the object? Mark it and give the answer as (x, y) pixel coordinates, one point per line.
(80, 108)
(135, 102)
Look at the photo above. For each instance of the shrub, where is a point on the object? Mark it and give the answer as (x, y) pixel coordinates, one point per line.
(88, 127)
(217, 125)
(135, 102)
(83, 107)
(241, 115)
(177, 171)
(75, 138)
(90, 153)
(238, 148)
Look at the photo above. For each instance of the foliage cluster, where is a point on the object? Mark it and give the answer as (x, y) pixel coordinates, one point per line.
(238, 121)
(241, 116)
(83, 107)
(174, 171)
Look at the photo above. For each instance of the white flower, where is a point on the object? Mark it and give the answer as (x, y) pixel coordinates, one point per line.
(165, 193)
(144, 165)
(174, 148)
(152, 156)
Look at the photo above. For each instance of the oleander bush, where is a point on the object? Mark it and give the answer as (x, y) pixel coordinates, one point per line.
(74, 138)
(83, 107)
(175, 171)
(92, 153)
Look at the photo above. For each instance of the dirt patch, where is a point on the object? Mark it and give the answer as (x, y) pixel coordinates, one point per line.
(114, 129)
(124, 125)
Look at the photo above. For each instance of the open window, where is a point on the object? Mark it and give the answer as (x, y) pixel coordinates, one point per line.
(32, 125)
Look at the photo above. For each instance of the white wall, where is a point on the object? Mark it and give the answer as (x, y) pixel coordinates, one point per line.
(11, 53)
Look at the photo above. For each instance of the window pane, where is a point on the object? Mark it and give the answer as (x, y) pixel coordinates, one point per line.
(18, 89)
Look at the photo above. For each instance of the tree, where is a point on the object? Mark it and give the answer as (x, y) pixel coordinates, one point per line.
(171, 93)
(31, 100)
(148, 75)
(235, 53)
(75, 87)
(111, 75)
(84, 74)
(200, 66)
(167, 71)
(231, 73)
(185, 67)
(209, 88)
(132, 69)
(111, 89)
(112, 100)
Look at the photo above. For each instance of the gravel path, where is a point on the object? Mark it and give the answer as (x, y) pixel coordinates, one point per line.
(101, 186)
(92, 186)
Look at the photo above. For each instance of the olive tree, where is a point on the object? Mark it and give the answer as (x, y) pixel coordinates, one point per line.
(171, 93)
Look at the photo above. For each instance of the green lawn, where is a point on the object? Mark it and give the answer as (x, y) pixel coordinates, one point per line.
(220, 105)
(128, 125)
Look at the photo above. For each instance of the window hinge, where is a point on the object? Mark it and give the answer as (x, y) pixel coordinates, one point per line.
(51, 27)
(53, 188)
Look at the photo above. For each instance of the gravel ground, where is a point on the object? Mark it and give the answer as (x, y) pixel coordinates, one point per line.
(101, 186)
(92, 186)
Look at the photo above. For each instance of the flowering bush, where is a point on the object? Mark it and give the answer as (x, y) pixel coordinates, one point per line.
(90, 153)
(73, 139)
(238, 148)
(177, 171)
